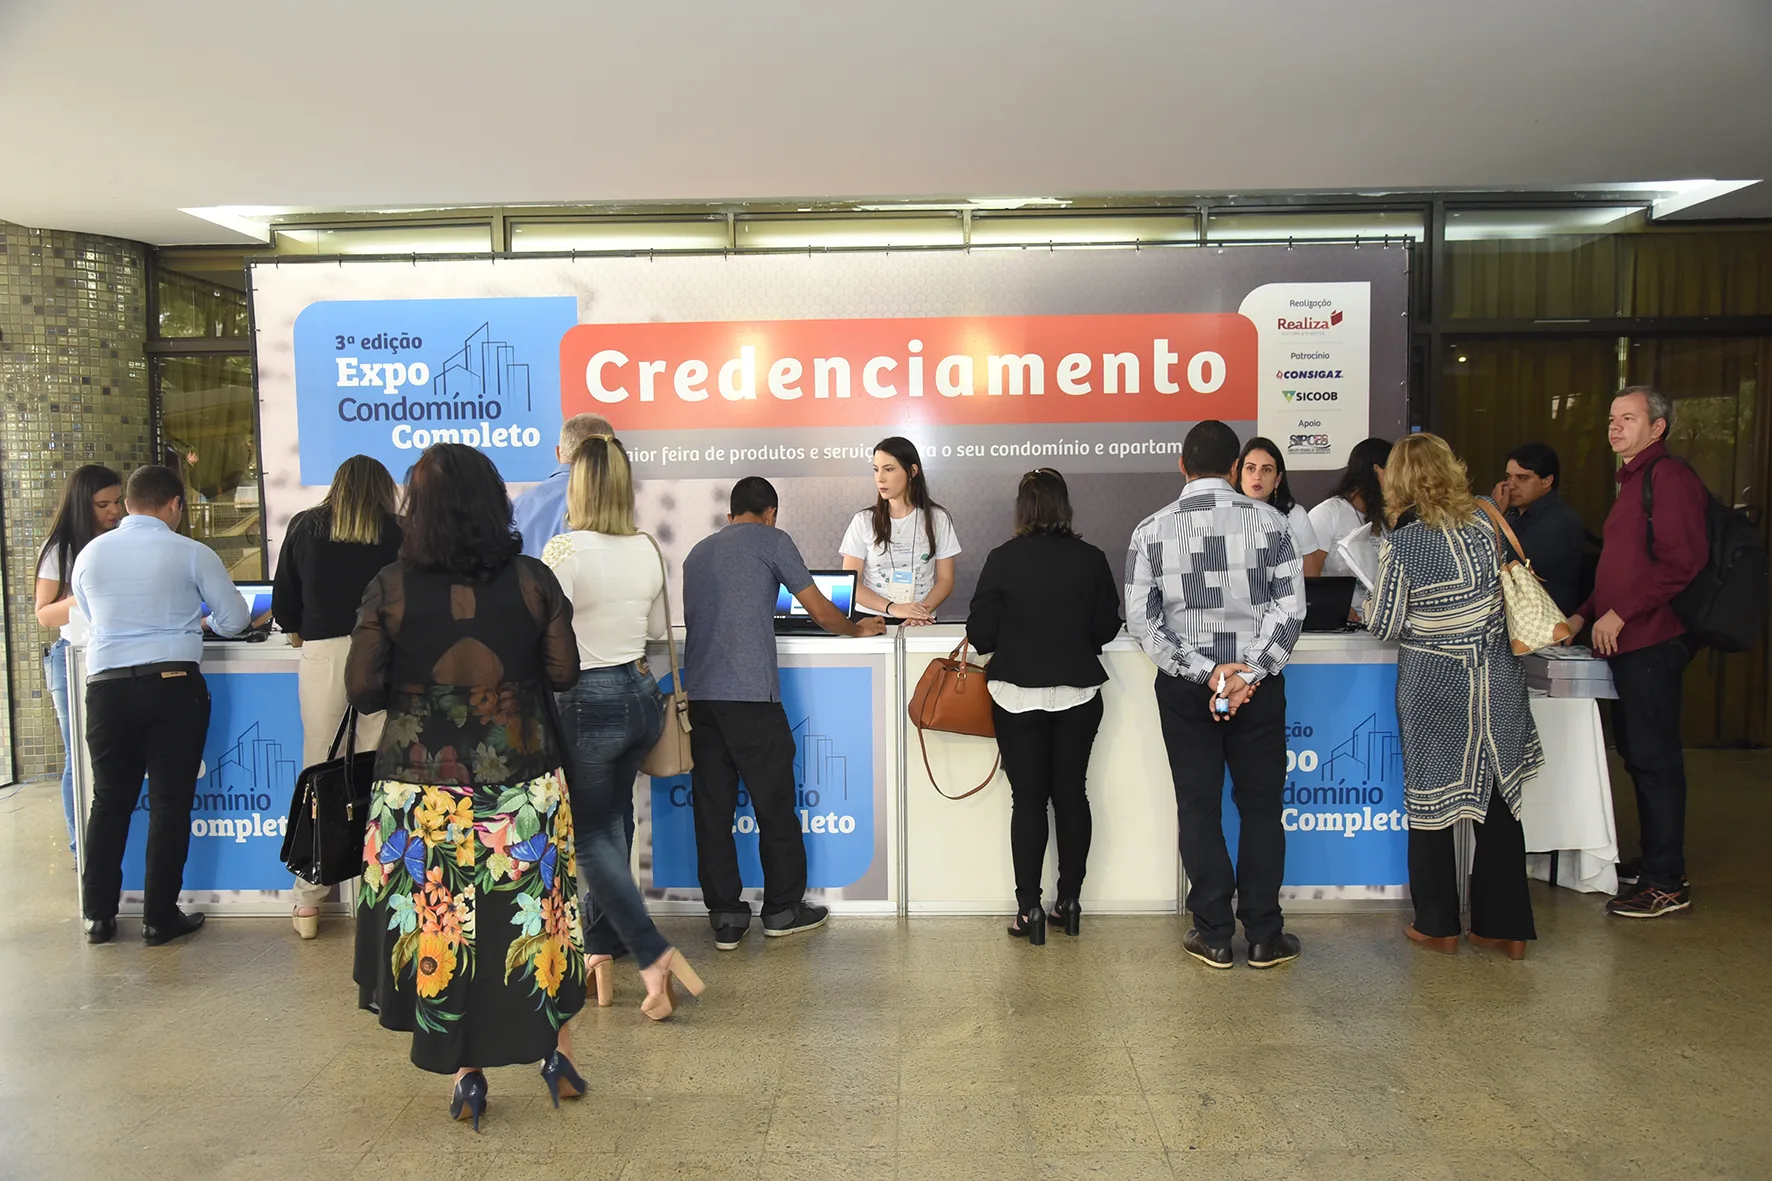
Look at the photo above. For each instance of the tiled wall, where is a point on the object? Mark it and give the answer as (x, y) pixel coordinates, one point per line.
(73, 390)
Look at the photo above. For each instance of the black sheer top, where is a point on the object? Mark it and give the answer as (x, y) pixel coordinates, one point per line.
(463, 669)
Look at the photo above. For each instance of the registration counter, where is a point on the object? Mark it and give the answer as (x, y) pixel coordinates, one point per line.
(880, 839)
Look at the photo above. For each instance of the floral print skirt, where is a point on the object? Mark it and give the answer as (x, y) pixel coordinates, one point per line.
(468, 930)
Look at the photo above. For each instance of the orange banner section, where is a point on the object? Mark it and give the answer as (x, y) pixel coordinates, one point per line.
(976, 371)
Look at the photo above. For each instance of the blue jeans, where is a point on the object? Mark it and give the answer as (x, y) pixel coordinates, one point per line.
(610, 719)
(55, 676)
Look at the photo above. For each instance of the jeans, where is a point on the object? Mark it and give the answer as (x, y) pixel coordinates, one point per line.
(155, 725)
(1253, 745)
(752, 740)
(1046, 756)
(610, 719)
(55, 677)
(1646, 726)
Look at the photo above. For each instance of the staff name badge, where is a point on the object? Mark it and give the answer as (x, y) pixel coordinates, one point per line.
(902, 588)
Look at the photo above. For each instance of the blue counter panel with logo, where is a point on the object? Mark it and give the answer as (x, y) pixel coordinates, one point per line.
(251, 760)
(831, 711)
(1343, 804)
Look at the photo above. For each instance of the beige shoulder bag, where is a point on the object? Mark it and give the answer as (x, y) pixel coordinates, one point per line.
(670, 755)
(1533, 621)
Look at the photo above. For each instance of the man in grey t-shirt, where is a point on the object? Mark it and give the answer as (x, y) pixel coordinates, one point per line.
(739, 728)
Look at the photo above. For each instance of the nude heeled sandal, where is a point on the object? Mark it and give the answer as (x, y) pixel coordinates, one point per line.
(660, 1005)
(603, 972)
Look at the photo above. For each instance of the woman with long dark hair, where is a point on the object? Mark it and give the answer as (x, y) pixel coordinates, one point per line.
(91, 504)
(329, 554)
(1261, 475)
(468, 929)
(904, 546)
(1356, 502)
(1046, 603)
(614, 577)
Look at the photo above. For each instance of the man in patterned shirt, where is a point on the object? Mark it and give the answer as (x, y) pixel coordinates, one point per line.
(1215, 595)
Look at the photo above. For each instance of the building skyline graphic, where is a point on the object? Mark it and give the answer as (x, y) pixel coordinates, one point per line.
(1368, 755)
(250, 764)
(484, 368)
(816, 763)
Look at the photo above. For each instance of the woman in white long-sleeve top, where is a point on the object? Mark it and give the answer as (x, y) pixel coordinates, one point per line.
(1469, 743)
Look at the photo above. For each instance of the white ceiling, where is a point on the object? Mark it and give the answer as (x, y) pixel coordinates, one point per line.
(119, 114)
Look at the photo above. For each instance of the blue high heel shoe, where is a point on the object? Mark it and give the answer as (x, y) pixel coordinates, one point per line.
(561, 1077)
(469, 1099)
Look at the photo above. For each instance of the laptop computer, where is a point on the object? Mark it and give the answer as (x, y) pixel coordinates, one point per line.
(1327, 602)
(836, 585)
(258, 603)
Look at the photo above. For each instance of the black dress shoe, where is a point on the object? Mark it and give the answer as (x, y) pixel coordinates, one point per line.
(100, 930)
(178, 928)
(1281, 949)
(1213, 957)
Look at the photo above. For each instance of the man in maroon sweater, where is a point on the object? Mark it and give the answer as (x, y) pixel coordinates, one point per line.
(1636, 629)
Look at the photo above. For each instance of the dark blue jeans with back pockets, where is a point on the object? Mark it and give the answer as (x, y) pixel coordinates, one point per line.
(610, 719)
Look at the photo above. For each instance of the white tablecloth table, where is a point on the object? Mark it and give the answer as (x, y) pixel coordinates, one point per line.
(1568, 808)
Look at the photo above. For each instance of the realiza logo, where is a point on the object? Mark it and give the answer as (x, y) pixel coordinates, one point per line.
(1310, 323)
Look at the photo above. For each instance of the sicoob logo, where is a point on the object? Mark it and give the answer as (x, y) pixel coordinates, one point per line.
(1312, 395)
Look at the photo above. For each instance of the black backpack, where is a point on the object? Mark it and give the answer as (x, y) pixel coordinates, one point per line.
(1725, 606)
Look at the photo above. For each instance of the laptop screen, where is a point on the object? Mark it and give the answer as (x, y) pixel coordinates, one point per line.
(836, 585)
(258, 602)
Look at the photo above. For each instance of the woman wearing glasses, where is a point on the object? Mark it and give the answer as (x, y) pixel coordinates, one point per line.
(1046, 603)
(904, 546)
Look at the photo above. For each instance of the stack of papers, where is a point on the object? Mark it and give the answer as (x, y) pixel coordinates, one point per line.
(1568, 672)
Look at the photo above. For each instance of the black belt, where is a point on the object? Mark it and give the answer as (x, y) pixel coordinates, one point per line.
(164, 668)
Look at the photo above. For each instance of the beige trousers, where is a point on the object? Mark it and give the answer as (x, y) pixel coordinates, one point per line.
(320, 685)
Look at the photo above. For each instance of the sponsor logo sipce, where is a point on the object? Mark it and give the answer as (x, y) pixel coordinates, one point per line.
(1307, 444)
(1312, 395)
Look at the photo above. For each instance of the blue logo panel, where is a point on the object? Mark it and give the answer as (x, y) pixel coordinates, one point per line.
(389, 377)
(1343, 805)
(831, 711)
(250, 763)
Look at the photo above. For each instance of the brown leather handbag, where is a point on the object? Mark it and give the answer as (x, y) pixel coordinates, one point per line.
(951, 697)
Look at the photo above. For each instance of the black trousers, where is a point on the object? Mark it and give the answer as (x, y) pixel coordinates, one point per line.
(1646, 726)
(1501, 904)
(1253, 745)
(1046, 756)
(151, 725)
(730, 739)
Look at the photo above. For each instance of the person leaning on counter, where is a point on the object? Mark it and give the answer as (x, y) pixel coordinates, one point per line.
(143, 588)
(904, 546)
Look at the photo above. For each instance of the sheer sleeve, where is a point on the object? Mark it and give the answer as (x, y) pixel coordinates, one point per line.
(551, 609)
(369, 666)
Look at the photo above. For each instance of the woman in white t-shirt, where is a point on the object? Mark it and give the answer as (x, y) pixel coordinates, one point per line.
(92, 503)
(904, 546)
(1261, 475)
(1358, 501)
(614, 577)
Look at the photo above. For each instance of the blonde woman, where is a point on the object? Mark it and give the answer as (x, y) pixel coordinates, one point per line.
(1469, 743)
(615, 580)
(329, 554)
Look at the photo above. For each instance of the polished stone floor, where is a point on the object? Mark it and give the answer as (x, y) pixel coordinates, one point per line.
(934, 1049)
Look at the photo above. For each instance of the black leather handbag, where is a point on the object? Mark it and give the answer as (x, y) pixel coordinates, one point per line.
(328, 812)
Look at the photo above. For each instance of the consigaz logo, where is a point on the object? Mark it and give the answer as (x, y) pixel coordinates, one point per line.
(1308, 374)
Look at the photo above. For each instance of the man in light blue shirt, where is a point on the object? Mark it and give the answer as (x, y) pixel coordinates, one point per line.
(540, 511)
(147, 707)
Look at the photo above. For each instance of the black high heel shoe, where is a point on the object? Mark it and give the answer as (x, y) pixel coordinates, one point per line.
(469, 1100)
(1067, 913)
(561, 1077)
(1030, 925)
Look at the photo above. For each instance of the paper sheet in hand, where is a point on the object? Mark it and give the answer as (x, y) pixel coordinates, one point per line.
(1357, 550)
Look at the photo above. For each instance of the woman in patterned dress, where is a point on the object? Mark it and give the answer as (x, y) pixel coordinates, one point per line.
(1469, 743)
(468, 929)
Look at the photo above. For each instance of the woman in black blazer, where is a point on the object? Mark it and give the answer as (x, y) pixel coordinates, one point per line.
(1046, 603)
